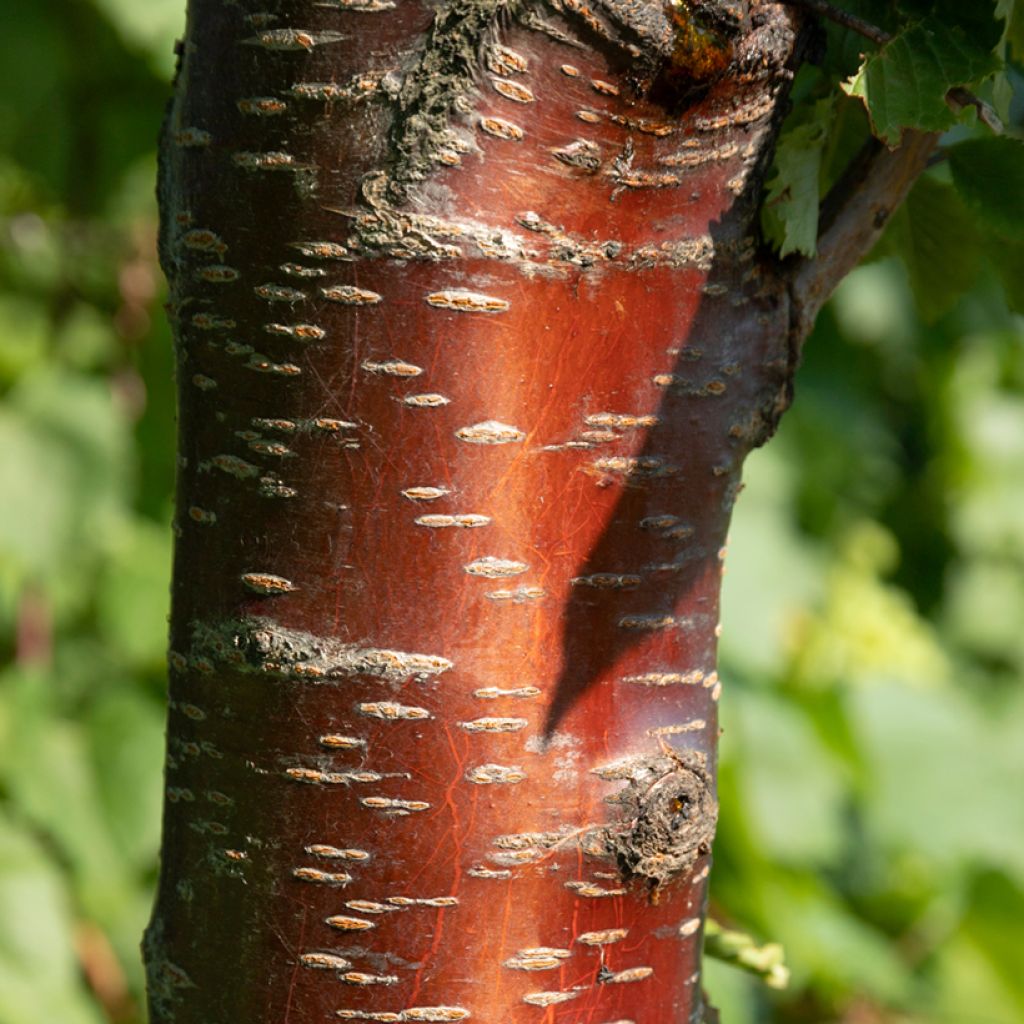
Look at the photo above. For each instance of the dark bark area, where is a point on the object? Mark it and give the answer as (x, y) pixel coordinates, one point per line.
(473, 333)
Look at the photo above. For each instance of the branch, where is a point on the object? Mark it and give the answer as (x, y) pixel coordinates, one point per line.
(740, 950)
(853, 216)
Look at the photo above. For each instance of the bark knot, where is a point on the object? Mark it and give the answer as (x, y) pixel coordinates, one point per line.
(669, 818)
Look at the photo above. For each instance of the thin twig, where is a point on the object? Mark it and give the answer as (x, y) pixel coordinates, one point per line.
(844, 18)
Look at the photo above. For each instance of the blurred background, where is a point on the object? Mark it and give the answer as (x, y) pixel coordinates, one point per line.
(873, 755)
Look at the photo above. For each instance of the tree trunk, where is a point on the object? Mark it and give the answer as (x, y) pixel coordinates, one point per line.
(473, 334)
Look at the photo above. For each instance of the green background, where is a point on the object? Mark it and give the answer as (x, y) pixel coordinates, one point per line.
(873, 754)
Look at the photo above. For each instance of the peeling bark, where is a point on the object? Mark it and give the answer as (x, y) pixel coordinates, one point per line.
(473, 334)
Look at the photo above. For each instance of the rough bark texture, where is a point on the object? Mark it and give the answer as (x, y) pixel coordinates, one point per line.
(473, 335)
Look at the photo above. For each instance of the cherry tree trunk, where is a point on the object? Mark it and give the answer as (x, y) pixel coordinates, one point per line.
(473, 333)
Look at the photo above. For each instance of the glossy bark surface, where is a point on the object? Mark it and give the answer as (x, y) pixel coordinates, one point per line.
(460, 436)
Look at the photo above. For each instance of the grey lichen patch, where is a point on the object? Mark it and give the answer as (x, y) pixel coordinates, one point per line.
(261, 646)
(384, 230)
(433, 96)
(441, 86)
(647, 26)
(669, 818)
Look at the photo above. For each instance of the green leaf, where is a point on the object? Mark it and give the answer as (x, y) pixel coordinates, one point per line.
(940, 245)
(904, 84)
(844, 49)
(1013, 32)
(979, 21)
(791, 206)
(989, 175)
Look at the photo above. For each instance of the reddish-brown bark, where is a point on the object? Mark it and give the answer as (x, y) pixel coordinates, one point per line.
(462, 420)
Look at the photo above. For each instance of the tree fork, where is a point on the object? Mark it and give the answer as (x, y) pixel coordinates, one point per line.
(474, 332)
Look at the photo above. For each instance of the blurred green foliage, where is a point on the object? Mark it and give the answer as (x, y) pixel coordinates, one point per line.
(872, 654)
(86, 466)
(874, 609)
